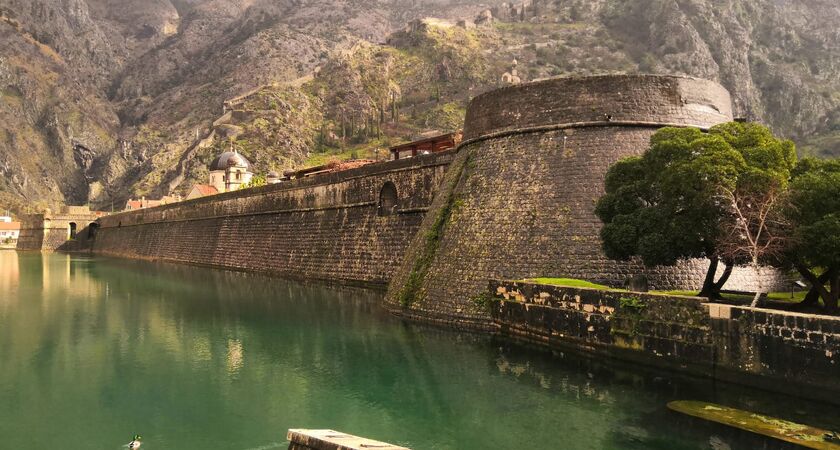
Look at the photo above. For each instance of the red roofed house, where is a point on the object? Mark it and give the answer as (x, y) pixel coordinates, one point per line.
(132, 205)
(9, 231)
(202, 190)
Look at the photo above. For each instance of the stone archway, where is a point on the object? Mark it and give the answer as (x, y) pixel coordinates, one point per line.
(92, 228)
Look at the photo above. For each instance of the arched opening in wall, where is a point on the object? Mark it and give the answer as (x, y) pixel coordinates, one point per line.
(92, 230)
(388, 200)
(72, 231)
(119, 224)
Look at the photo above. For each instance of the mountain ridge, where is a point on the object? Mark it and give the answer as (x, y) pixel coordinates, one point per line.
(103, 100)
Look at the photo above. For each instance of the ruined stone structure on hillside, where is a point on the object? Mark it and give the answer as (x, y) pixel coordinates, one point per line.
(515, 200)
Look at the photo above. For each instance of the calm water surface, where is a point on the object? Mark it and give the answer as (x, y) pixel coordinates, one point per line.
(93, 350)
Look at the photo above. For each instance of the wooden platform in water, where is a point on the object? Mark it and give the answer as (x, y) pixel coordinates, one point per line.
(772, 427)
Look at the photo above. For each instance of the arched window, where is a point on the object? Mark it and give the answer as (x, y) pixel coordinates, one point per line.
(238, 175)
(388, 200)
(72, 230)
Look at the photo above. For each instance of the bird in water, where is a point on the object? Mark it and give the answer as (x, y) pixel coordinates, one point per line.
(135, 443)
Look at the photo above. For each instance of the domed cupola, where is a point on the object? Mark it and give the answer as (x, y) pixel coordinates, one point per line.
(230, 160)
(229, 171)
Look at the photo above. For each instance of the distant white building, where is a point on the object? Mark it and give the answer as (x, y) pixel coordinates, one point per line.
(9, 229)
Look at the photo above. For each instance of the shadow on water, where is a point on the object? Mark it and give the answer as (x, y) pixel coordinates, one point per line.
(97, 349)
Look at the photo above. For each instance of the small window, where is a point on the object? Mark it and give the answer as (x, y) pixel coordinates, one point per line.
(388, 199)
(72, 230)
(238, 175)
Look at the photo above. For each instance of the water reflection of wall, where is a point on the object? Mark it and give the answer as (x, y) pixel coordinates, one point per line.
(9, 275)
(68, 276)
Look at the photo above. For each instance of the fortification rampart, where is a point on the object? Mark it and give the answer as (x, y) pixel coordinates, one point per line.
(350, 226)
(518, 201)
(67, 229)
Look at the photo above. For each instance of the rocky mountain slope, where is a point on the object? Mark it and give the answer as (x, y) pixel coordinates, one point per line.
(105, 99)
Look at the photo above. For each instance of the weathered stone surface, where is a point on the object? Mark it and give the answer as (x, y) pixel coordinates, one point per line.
(51, 231)
(326, 227)
(776, 349)
(646, 99)
(532, 168)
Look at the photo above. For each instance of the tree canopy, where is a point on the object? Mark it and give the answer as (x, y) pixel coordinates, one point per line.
(814, 213)
(676, 200)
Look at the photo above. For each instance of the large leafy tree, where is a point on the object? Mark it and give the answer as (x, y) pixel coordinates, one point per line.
(675, 200)
(814, 213)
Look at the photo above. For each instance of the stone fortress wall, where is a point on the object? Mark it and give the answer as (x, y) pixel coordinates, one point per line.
(51, 231)
(327, 227)
(514, 201)
(519, 198)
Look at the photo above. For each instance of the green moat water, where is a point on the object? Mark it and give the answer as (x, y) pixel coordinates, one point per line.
(93, 350)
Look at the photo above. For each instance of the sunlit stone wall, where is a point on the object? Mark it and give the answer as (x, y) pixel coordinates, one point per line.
(519, 199)
(325, 227)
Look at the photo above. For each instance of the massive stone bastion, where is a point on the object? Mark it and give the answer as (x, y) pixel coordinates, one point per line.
(518, 200)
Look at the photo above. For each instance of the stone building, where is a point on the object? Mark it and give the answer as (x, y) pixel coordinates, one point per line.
(229, 171)
(427, 145)
(63, 230)
(133, 204)
(9, 229)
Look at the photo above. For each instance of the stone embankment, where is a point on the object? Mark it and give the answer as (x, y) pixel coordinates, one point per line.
(777, 350)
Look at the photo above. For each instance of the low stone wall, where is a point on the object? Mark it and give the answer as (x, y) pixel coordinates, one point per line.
(777, 350)
(326, 227)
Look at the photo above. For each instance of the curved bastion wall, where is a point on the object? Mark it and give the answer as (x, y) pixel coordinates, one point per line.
(518, 200)
(326, 227)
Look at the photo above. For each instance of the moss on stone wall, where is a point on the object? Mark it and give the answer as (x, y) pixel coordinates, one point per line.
(431, 240)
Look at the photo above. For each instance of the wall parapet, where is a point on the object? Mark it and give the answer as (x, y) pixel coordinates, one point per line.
(778, 350)
(283, 197)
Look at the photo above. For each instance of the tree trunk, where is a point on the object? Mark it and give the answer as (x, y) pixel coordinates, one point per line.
(708, 289)
(831, 301)
(831, 274)
(760, 288)
(812, 298)
(724, 277)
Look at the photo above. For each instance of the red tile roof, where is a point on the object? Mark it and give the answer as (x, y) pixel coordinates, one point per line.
(206, 189)
(9, 225)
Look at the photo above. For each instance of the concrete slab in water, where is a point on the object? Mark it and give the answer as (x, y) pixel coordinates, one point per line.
(333, 440)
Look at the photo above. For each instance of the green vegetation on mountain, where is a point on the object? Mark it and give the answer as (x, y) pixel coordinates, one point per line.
(101, 100)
